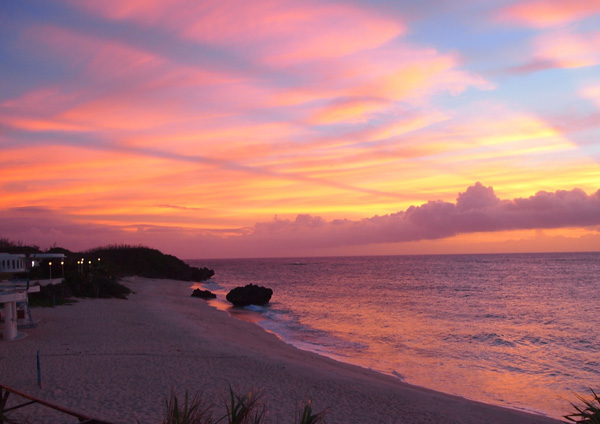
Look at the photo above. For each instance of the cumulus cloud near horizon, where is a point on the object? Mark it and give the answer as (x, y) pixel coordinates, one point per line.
(477, 209)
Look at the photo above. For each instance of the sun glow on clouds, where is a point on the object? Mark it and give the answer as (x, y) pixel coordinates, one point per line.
(201, 119)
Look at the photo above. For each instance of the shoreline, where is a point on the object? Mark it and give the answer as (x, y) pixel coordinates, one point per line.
(118, 360)
(398, 377)
(256, 317)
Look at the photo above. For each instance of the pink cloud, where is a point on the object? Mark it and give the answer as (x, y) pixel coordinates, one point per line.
(96, 57)
(560, 42)
(120, 87)
(567, 49)
(46, 227)
(592, 93)
(535, 65)
(365, 86)
(548, 13)
(277, 31)
(332, 51)
(140, 95)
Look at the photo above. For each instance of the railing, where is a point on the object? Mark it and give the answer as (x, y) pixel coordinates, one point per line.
(5, 391)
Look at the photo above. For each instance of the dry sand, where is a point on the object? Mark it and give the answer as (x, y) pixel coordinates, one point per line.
(118, 360)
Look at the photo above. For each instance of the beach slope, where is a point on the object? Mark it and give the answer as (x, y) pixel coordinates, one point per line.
(118, 360)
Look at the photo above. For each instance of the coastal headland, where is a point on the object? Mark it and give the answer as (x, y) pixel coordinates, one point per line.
(118, 360)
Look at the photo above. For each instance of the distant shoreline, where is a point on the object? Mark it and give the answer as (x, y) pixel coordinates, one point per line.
(207, 259)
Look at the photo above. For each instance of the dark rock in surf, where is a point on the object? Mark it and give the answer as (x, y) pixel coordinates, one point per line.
(249, 295)
(204, 294)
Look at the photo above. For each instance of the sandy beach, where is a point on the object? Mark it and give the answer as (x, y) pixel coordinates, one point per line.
(118, 360)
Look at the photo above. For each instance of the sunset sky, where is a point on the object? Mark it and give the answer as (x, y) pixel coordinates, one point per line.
(295, 128)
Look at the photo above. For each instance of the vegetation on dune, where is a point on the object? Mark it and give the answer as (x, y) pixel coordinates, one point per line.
(8, 246)
(241, 409)
(147, 262)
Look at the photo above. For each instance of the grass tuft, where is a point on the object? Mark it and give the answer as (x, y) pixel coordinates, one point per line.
(588, 413)
(307, 416)
(246, 409)
(194, 411)
(241, 409)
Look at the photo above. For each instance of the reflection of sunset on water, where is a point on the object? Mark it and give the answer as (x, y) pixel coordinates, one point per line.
(505, 329)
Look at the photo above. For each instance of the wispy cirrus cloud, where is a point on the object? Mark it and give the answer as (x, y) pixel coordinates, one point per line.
(278, 32)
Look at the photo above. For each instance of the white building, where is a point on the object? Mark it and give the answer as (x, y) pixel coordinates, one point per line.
(11, 264)
(36, 258)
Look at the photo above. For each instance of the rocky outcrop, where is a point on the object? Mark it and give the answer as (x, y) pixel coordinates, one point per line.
(249, 295)
(204, 294)
(201, 274)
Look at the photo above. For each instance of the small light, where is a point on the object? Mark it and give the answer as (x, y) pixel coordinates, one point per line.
(49, 263)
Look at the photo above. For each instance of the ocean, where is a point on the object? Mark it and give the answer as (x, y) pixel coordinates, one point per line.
(515, 330)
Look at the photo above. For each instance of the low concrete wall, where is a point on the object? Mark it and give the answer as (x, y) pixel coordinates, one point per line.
(47, 281)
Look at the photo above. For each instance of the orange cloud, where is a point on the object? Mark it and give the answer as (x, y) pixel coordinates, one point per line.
(348, 111)
(408, 73)
(29, 124)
